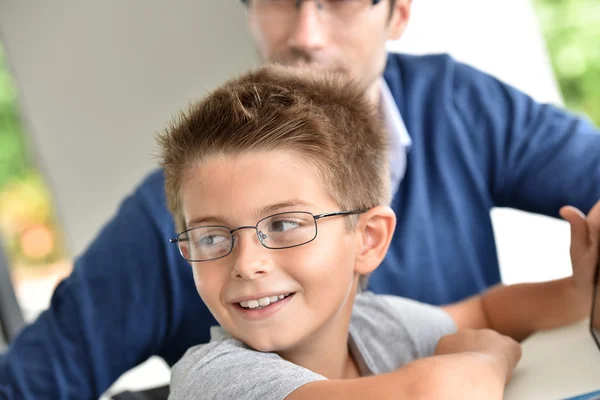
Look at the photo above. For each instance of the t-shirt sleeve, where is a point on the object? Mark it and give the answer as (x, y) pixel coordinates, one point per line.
(392, 331)
(228, 370)
(425, 324)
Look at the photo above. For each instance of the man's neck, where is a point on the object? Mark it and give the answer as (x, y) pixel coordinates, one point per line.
(374, 93)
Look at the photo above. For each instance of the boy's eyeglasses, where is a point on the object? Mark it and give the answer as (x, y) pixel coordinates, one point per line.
(280, 11)
(278, 231)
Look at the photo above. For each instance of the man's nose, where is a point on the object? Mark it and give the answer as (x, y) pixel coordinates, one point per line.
(310, 29)
(251, 258)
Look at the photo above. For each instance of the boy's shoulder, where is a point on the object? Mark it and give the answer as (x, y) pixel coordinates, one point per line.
(391, 331)
(227, 368)
(389, 311)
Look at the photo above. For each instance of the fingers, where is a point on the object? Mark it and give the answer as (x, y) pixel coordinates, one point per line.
(580, 229)
(594, 220)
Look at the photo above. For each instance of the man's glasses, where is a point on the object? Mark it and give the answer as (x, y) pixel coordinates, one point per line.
(278, 231)
(282, 11)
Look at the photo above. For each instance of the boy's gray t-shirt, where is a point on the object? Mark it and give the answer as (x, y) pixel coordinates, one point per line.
(386, 332)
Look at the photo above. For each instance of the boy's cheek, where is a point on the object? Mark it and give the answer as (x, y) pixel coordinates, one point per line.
(210, 295)
(206, 282)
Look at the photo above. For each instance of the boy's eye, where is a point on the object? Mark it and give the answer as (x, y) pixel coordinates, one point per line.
(283, 225)
(211, 240)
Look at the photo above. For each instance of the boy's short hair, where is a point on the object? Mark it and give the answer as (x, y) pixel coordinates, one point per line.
(324, 117)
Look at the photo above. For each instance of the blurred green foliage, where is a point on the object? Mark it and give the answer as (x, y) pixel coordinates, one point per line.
(572, 32)
(13, 160)
(27, 224)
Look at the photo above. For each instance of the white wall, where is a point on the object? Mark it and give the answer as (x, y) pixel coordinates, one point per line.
(97, 79)
(501, 37)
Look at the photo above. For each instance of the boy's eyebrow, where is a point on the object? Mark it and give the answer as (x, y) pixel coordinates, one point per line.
(274, 208)
(265, 211)
(211, 219)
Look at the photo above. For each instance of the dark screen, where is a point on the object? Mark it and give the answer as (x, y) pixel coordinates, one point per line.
(595, 317)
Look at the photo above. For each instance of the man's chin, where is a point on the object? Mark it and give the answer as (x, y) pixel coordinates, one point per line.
(314, 66)
(317, 67)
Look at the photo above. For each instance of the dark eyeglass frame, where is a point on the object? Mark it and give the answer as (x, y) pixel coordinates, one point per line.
(595, 304)
(181, 238)
(373, 2)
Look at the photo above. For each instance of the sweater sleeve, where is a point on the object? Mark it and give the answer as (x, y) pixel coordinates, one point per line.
(537, 157)
(111, 314)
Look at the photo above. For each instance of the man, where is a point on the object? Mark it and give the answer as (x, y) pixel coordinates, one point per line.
(463, 143)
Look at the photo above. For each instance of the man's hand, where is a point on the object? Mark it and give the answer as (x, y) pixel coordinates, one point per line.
(502, 350)
(585, 246)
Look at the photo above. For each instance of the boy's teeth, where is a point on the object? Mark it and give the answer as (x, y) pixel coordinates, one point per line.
(265, 301)
(262, 302)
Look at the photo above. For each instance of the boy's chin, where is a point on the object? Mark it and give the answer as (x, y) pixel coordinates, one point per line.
(267, 345)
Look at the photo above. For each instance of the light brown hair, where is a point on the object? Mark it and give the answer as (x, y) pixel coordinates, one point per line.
(324, 117)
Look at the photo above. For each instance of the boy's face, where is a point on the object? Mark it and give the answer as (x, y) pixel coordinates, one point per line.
(319, 277)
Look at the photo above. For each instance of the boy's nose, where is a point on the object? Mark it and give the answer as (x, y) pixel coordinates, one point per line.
(251, 258)
(309, 32)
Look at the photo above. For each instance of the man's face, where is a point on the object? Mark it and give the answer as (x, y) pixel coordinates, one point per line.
(348, 35)
(317, 278)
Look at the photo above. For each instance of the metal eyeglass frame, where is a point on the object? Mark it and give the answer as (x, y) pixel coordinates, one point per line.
(373, 2)
(179, 238)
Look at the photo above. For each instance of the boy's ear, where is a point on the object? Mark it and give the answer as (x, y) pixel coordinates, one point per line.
(375, 229)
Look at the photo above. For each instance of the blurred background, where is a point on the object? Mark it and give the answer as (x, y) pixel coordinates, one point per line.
(571, 29)
(76, 78)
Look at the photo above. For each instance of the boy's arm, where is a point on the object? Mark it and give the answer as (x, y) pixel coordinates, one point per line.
(519, 310)
(467, 365)
(428, 378)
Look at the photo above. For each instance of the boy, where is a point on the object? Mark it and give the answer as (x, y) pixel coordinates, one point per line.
(279, 183)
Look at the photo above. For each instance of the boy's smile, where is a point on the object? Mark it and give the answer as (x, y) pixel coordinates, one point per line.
(262, 307)
(276, 300)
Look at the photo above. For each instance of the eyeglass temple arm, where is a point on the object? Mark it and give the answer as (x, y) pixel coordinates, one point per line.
(332, 214)
(176, 240)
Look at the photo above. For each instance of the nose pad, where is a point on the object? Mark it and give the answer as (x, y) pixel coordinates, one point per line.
(319, 4)
(261, 236)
